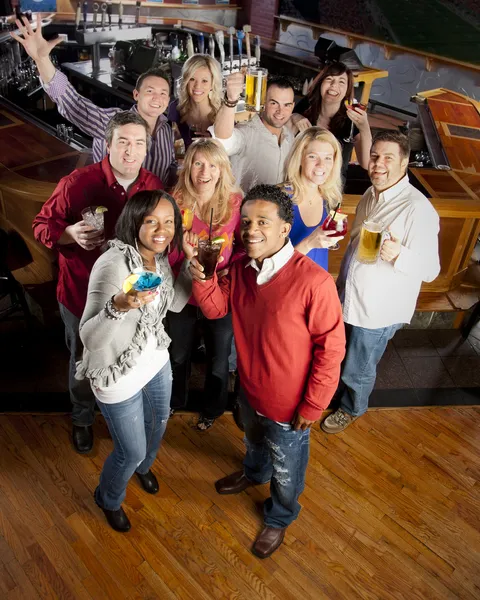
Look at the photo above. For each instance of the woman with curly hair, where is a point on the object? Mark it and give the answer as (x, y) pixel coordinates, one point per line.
(199, 97)
(206, 183)
(313, 182)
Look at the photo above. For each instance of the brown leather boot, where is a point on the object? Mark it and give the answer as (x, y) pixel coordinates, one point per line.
(233, 484)
(268, 541)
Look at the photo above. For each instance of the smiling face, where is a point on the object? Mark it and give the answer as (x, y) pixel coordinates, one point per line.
(153, 97)
(157, 229)
(386, 165)
(263, 232)
(317, 162)
(199, 85)
(334, 88)
(127, 150)
(279, 103)
(204, 174)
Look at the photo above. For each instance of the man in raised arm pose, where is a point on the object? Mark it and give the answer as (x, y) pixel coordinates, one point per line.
(258, 148)
(151, 93)
(60, 226)
(290, 342)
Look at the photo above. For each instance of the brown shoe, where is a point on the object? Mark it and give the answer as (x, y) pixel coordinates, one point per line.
(268, 541)
(337, 421)
(233, 484)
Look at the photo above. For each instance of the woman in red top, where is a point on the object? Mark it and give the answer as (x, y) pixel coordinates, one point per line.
(205, 182)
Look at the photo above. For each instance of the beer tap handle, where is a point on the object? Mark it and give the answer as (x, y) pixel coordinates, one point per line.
(120, 14)
(201, 43)
(240, 38)
(211, 45)
(258, 51)
(189, 46)
(137, 13)
(247, 29)
(221, 46)
(109, 13)
(95, 12)
(231, 33)
(104, 14)
(85, 12)
(78, 15)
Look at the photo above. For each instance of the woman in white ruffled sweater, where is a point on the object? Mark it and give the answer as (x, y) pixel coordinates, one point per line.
(126, 346)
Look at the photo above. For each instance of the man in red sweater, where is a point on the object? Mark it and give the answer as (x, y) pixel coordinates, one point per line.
(290, 339)
(60, 226)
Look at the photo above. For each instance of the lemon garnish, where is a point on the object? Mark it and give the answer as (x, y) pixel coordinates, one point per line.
(101, 209)
(129, 281)
(218, 240)
(338, 217)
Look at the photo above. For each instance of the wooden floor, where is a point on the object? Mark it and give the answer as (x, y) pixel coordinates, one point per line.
(391, 510)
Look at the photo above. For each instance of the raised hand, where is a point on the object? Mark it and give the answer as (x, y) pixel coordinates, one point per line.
(125, 302)
(190, 243)
(321, 239)
(234, 86)
(36, 46)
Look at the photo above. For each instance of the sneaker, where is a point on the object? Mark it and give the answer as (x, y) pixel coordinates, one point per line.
(337, 421)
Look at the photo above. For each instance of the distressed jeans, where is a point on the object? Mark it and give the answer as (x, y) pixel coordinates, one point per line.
(365, 348)
(278, 454)
(137, 426)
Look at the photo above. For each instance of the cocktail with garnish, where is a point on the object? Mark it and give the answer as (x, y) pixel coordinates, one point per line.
(187, 218)
(93, 216)
(142, 281)
(353, 105)
(336, 222)
(208, 251)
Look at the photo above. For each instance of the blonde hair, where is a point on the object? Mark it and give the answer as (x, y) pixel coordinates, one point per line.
(185, 193)
(195, 62)
(331, 190)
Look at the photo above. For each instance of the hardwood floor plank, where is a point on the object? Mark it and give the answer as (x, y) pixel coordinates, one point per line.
(390, 510)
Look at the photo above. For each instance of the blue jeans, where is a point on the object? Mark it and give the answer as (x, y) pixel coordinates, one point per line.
(137, 426)
(365, 348)
(81, 395)
(278, 454)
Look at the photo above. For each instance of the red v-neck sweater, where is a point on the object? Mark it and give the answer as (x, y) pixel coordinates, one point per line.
(289, 335)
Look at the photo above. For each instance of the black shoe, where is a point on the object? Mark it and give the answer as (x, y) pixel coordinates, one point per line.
(117, 519)
(82, 438)
(149, 482)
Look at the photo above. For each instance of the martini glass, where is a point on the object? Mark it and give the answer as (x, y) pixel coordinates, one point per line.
(353, 105)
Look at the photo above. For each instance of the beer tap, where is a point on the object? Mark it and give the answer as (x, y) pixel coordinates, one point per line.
(103, 8)
(211, 45)
(247, 29)
(189, 46)
(78, 15)
(85, 12)
(240, 38)
(95, 11)
(258, 51)
(120, 14)
(231, 33)
(109, 13)
(221, 41)
(137, 12)
(201, 43)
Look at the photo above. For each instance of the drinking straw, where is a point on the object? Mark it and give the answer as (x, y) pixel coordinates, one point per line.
(335, 211)
(210, 228)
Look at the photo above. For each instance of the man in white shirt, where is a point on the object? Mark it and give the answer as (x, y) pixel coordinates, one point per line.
(257, 148)
(378, 298)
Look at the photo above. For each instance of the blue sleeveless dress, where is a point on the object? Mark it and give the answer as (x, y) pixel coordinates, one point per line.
(300, 231)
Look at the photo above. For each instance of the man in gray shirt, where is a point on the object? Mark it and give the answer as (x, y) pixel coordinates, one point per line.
(258, 148)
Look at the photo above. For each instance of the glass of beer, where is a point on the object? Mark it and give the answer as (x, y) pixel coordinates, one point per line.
(371, 237)
(255, 89)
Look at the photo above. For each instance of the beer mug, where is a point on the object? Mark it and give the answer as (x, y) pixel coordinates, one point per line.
(255, 89)
(372, 237)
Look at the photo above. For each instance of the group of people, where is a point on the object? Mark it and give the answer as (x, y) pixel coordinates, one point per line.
(264, 188)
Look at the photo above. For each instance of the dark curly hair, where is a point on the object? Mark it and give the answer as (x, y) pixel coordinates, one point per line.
(271, 193)
(137, 208)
